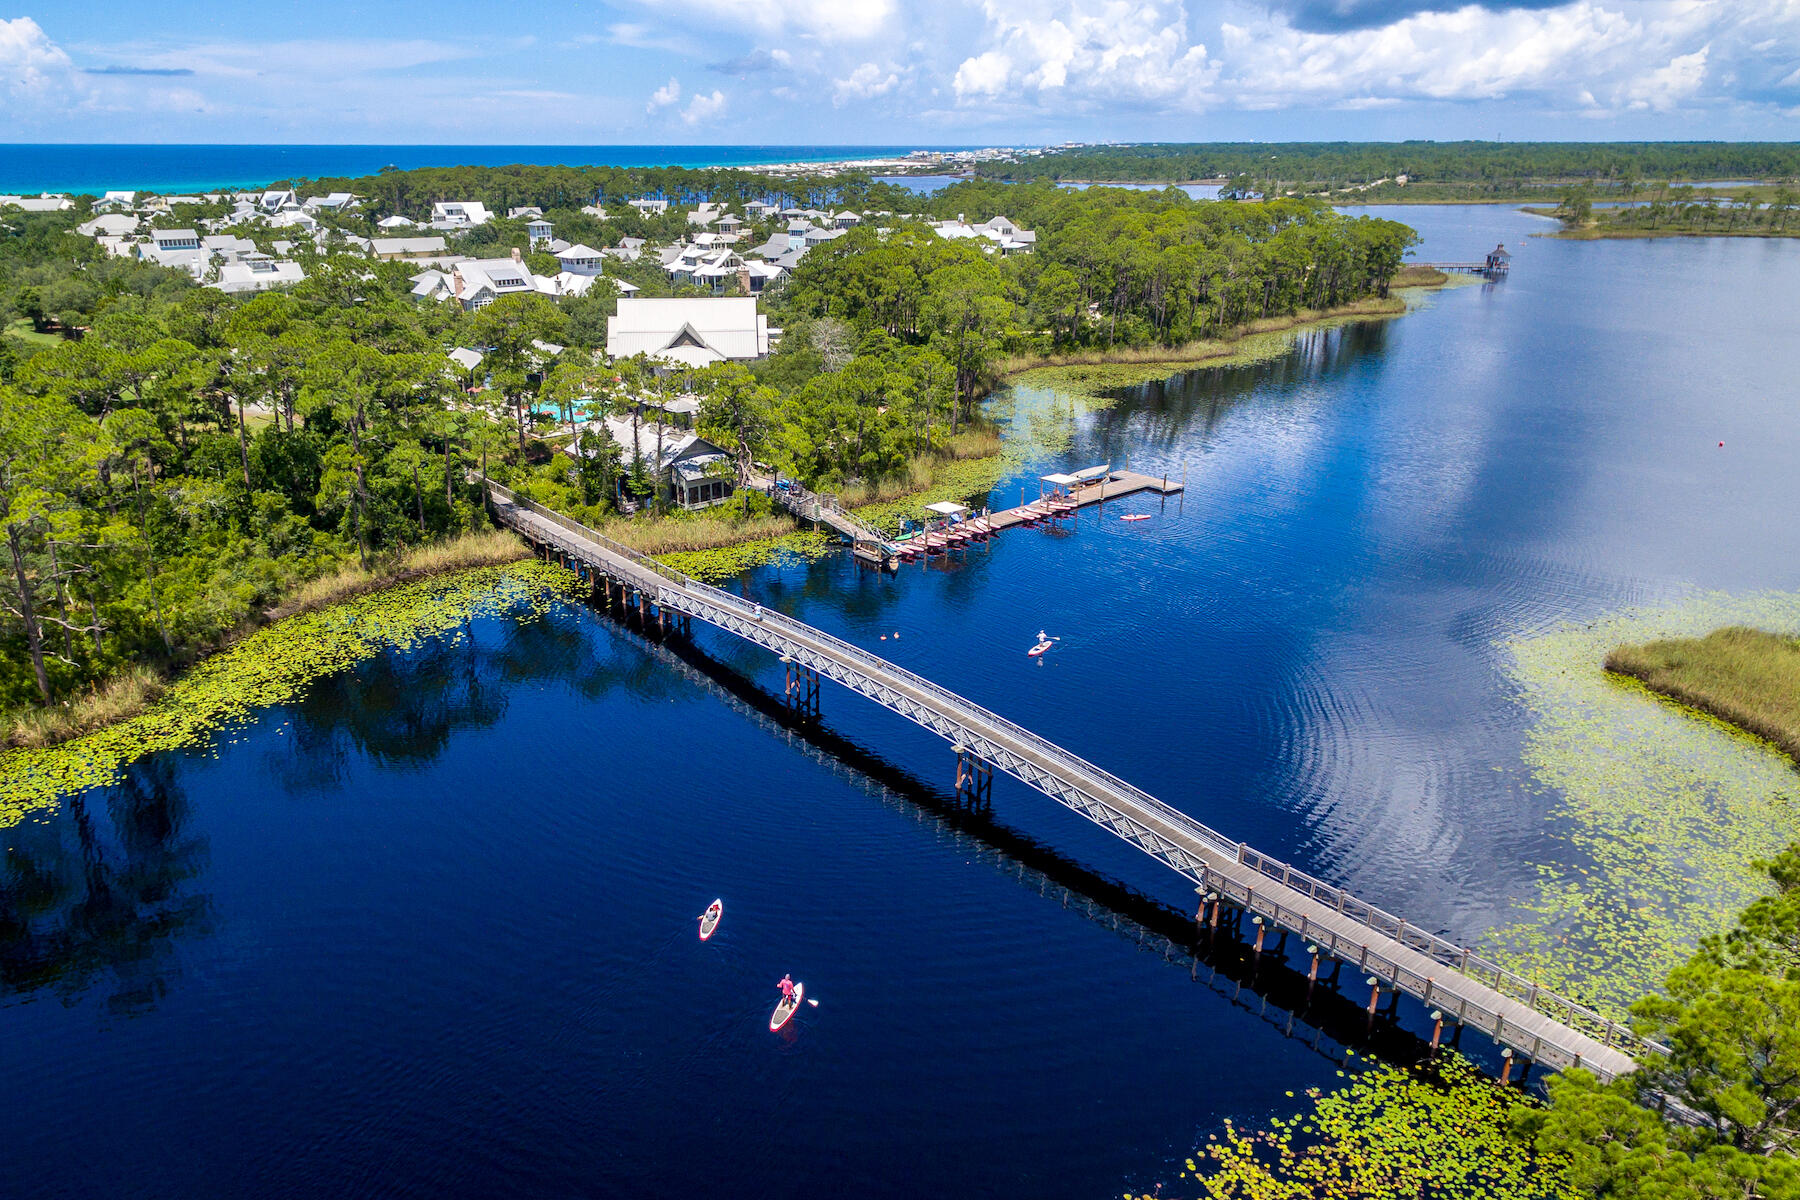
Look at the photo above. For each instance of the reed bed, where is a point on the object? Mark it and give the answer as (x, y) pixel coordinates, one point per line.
(486, 548)
(124, 695)
(682, 532)
(1745, 677)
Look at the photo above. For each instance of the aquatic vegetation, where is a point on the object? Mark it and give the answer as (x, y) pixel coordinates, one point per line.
(273, 666)
(1663, 811)
(726, 562)
(1436, 1130)
(1746, 677)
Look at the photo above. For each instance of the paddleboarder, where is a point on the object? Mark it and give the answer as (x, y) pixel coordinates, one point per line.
(787, 988)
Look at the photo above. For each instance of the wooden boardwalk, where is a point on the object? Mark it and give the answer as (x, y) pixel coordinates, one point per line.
(1340, 929)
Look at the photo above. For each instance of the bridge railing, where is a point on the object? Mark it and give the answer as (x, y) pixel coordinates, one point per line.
(591, 534)
(1460, 959)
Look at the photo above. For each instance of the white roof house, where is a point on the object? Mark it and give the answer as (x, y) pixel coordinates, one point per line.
(111, 225)
(693, 332)
(43, 203)
(396, 222)
(1006, 235)
(580, 259)
(594, 210)
(397, 247)
(256, 274)
(279, 201)
(116, 200)
(464, 213)
(332, 202)
(649, 207)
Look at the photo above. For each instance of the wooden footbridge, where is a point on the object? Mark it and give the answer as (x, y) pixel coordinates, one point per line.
(1390, 955)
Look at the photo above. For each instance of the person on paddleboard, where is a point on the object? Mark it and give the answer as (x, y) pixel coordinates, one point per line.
(787, 988)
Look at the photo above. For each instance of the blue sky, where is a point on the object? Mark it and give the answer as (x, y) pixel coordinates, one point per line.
(956, 72)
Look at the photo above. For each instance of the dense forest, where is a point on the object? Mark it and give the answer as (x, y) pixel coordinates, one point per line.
(1493, 166)
(175, 460)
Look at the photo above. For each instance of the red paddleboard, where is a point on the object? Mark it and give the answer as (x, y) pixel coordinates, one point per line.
(784, 1012)
(709, 920)
(1038, 649)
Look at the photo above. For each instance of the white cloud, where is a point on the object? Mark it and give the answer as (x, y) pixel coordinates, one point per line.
(864, 83)
(1600, 57)
(31, 65)
(1130, 52)
(703, 108)
(984, 75)
(640, 36)
(669, 93)
(826, 20)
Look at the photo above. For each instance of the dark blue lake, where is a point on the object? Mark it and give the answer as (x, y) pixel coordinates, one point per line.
(430, 931)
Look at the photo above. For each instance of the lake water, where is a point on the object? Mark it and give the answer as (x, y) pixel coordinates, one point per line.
(430, 931)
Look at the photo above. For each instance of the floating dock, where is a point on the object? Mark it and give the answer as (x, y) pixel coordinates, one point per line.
(1066, 503)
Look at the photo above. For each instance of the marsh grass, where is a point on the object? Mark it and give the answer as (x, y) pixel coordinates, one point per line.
(487, 548)
(132, 691)
(124, 695)
(709, 529)
(1745, 677)
(1207, 349)
(1420, 276)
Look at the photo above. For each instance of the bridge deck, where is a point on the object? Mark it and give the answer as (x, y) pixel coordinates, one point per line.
(1441, 974)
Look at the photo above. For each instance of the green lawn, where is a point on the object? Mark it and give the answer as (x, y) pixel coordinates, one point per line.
(22, 330)
(1747, 677)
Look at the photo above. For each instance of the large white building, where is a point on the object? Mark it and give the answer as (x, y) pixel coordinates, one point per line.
(693, 333)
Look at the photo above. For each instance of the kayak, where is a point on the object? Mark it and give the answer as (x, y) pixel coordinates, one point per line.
(784, 1012)
(709, 920)
(1038, 649)
(1135, 517)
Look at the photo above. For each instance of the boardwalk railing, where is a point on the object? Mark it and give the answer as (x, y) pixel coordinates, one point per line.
(1552, 1029)
(815, 506)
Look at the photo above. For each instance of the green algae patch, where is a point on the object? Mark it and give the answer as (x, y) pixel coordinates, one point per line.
(1662, 811)
(273, 666)
(728, 562)
(1437, 1130)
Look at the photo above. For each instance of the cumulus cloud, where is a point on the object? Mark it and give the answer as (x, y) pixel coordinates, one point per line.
(984, 75)
(1590, 54)
(703, 108)
(32, 67)
(864, 83)
(669, 93)
(1129, 52)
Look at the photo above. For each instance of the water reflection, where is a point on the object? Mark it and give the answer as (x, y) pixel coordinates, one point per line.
(95, 896)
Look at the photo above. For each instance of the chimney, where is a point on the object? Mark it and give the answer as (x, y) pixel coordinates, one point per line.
(517, 256)
(456, 282)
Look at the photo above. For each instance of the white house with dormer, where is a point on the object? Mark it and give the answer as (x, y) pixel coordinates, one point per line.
(459, 214)
(691, 333)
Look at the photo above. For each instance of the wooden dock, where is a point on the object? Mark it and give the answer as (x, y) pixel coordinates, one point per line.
(1387, 954)
(1117, 486)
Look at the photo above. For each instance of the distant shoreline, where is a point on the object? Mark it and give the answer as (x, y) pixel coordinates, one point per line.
(173, 169)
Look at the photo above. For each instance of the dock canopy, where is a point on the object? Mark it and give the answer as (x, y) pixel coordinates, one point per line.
(1091, 474)
(948, 508)
(1060, 480)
